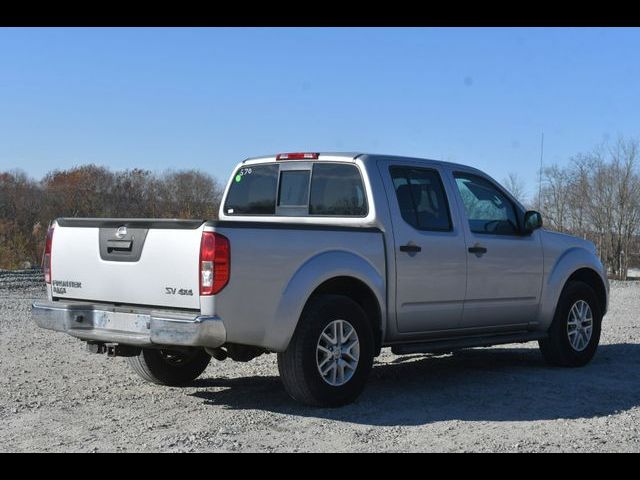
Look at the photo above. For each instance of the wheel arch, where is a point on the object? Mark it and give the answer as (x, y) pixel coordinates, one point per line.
(360, 293)
(574, 264)
(334, 272)
(593, 279)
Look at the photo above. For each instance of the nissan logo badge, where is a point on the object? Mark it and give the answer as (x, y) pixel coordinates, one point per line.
(121, 232)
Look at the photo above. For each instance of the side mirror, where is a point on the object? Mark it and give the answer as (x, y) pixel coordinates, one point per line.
(532, 221)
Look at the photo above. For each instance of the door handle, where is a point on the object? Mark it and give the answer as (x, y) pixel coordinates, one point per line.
(477, 249)
(410, 248)
(120, 245)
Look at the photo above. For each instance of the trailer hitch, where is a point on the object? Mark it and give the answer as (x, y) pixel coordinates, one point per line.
(113, 349)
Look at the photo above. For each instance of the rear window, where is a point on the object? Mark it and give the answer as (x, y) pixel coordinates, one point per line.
(294, 188)
(337, 190)
(253, 191)
(322, 189)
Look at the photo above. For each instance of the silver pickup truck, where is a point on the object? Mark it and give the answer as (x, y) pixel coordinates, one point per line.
(324, 259)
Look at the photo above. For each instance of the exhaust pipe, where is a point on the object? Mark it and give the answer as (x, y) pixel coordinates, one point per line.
(217, 353)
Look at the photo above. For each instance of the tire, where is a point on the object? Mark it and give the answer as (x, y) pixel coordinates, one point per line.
(558, 349)
(168, 367)
(299, 363)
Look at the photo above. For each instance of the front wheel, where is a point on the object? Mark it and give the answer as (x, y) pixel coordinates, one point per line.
(575, 331)
(170, 367)
(330, 355)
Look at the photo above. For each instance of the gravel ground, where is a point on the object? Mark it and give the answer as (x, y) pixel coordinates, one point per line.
(55, 396)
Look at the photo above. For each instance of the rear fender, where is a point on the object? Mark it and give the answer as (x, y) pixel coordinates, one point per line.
(310, 276)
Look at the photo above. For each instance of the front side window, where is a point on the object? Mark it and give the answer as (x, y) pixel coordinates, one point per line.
(421, 198)
(488, 209)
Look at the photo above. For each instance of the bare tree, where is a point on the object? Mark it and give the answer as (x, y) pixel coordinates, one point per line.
(555, 193)
(189, 193)
(515, 185)
(578, 194)
(626, 208)
(597, 196)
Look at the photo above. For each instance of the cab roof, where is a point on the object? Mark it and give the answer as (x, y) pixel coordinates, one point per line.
(347, 157)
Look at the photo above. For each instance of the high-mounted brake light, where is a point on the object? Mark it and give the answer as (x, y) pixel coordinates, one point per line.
(215, 256)
(46, 259)
(297, 156)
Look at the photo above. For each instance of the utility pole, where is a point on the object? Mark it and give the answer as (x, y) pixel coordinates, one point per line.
(540, 172)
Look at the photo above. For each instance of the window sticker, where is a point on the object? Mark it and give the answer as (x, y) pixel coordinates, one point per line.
(242, 173)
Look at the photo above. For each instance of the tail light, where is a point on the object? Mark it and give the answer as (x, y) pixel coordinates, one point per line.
(46, 260)
(214, 263)
(297, 156)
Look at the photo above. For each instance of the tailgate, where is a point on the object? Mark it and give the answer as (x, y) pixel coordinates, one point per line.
(140, 262)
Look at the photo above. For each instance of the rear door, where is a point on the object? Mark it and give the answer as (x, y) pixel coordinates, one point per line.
(504, 268)
(429, 249)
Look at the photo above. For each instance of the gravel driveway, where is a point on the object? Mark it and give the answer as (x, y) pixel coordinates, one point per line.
(55, 396)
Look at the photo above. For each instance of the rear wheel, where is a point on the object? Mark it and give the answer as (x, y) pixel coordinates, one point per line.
(575, 331)
(170, 367)
(330, 355)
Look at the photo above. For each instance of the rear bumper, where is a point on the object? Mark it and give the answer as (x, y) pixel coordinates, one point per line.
(107, 323)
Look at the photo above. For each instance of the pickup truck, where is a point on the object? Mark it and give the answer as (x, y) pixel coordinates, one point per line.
(325, 259)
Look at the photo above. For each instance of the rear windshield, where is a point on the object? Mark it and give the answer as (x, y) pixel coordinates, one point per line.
(294, 188)
(323, 189)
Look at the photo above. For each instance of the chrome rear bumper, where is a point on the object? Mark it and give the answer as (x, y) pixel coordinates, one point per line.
(108, 323)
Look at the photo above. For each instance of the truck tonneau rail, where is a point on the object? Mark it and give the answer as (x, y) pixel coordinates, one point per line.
(280, 225)
(158, 223)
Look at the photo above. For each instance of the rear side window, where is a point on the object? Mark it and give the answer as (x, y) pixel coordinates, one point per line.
(421, 198)
(337, 190)
(253, 191)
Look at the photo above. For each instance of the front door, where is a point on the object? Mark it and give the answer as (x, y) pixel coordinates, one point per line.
(504, 267)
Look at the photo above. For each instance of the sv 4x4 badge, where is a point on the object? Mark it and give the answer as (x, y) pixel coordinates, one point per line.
(174, 291)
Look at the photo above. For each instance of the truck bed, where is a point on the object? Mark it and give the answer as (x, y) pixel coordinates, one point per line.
(274, 267)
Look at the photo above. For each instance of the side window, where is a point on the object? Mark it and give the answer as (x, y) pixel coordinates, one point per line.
(488, 209)
(421, 198)
(337, 190)
(253, 191)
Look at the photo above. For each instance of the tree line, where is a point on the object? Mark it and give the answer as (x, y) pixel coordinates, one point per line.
(27, 206)
(595, 196)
